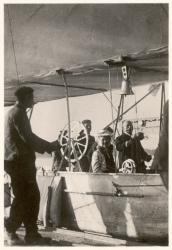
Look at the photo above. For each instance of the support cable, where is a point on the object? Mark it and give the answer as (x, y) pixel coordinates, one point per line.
(136, 110)
(161, 107)
(109, 101)
(110, 91)
(61, 73)
(141, 99)
(15, 59)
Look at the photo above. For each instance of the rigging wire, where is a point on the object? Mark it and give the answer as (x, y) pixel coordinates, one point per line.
(109, 101)
(136, 111)
(135, 102)
(110, 92)
(12, 37)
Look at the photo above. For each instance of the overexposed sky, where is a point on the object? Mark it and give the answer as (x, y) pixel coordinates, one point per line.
(49, 118)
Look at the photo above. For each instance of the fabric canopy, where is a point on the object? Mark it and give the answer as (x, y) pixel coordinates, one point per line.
(87, 41)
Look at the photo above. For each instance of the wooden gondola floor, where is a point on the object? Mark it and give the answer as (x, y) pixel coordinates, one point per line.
(65, 237)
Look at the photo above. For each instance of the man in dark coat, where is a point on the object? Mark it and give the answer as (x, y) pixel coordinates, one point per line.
(19, 162)
(85, 161)
(130, 147)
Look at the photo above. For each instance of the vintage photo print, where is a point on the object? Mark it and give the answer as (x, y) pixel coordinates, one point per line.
(85, 124)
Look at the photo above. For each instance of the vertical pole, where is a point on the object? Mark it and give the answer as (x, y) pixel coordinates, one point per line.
(119, 114)
(161, 112)
(122, 110)
(61, 73)
(161, 108)
(110, 91)
(122, 107)
(126, 111)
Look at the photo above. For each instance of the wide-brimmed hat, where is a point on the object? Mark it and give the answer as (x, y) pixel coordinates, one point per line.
(104, 132)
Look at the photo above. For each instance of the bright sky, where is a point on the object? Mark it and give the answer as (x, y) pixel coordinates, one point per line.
(50, 117)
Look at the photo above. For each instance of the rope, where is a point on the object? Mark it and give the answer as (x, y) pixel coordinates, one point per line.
(110, 91)
(136, 129)
(135, 102)
(15, 59)
(68, 111)
(109, 101)
(30, 115)
(157, 86)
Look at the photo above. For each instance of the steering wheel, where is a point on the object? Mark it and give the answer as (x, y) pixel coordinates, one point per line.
(128, 167)
(74, 148)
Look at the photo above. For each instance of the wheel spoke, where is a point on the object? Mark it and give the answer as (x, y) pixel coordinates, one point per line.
(83, 145)
(64, 149)
(71, 152)
(82, 138)
(79, 148)
(75, 147)
(66, 137)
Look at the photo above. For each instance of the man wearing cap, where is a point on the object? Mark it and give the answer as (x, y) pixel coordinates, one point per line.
(19, 162)
(102, 158)
(85, 162)
(130, 147)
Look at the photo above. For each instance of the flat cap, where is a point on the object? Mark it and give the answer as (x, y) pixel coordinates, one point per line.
(86, 121)
(23, 91)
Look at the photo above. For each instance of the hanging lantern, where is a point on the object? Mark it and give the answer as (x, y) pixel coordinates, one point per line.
(126, 88)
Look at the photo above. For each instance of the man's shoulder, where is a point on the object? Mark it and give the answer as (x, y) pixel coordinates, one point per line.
(15, 113)
(120, 136)
(97, 152)
(123, 136)
(16, 110)
(91, 138)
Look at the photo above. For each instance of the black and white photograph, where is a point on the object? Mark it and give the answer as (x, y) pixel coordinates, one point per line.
(86, 118)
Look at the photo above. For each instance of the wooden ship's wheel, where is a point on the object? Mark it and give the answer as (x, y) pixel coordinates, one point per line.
(74, 144)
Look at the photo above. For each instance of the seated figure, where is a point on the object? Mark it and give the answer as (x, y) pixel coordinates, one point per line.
(130, 147)
(102, 158)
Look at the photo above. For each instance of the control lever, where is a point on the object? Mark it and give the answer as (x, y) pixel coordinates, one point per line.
(120, 193)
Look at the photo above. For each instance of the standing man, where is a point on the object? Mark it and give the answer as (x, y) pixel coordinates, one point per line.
(85, 162)
(130, 147)
(19, 162)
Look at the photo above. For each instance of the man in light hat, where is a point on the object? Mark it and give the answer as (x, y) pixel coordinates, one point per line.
(19, 162)
(102, 158)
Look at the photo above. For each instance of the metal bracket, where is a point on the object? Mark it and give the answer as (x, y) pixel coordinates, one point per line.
(120, 193)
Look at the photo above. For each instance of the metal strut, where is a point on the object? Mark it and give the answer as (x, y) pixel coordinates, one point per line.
(120, 108)
(61, 73)
(141, 99)
(70, 145)
(162, 105)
